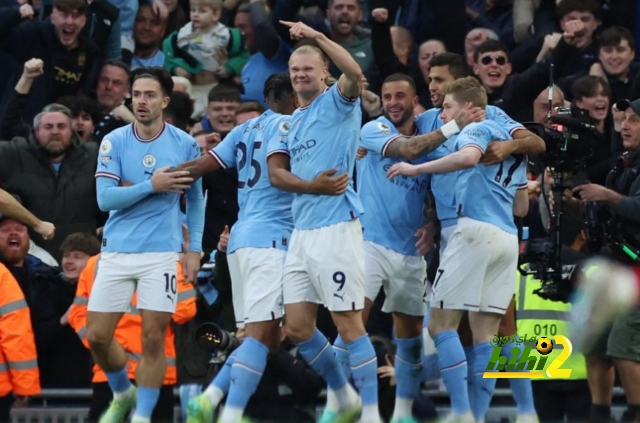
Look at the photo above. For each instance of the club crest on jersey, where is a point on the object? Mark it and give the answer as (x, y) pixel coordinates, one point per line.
(105, 147)
(149, 160)
(384, 128)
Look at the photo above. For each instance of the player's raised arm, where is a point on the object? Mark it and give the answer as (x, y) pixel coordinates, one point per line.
(349, 82)
(281, 177)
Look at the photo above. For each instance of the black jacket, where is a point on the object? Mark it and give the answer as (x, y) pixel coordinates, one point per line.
(29, 39)
(67, 199)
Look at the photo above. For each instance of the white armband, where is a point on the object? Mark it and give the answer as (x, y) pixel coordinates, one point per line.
(450, 129)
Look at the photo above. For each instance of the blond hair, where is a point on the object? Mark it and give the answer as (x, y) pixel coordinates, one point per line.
(467, 90)
(214, 4)
(312, 49)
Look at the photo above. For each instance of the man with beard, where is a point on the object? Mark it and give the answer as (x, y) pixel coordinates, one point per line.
(61, 359)
(53, 175)
(393, 214)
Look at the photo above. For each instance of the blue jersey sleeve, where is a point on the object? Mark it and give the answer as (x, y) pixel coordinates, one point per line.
(376, 136)
(474, 135)
(225, 152)
(501, 118)
(343, 103)
(277, 137)
(109, 165)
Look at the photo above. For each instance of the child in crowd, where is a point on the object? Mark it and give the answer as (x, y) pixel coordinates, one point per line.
(205, 51)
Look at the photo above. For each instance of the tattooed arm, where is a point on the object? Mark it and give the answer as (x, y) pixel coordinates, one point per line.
(411, 148)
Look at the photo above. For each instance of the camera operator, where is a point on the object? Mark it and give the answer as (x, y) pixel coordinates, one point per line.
(619, 346)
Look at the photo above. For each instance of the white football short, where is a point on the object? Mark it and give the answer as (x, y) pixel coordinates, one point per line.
(118, 275)
(476, 270)
(256, 281)
(403, 278)
(326, 266)
(445, 235)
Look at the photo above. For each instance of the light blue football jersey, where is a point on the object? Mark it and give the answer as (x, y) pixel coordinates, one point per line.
(393, 210)
(265, 219)
(324, 135)
(486, 193)
(443, 184)
(154, 223)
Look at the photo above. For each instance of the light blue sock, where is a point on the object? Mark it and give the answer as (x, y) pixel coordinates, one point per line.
(251, 359)
(483, 388)
(341, 352)
(521, 388)
(223, 379)
(147, 400)
(364, 368)
(118, 380)
(318, 353)
(453, 368)
(468, 352)
(408, 367)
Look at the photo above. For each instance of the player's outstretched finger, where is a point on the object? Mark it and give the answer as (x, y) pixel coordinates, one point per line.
(287, 23)
(330, 172)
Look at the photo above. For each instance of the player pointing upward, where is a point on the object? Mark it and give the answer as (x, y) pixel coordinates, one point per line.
(142, 241)
(325, 261)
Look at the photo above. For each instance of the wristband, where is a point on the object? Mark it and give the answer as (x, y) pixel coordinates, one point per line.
(450, 129)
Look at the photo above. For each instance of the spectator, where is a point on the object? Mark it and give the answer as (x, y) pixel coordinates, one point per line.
(11, 207)
(17, 382)
(103, 25)
(616, 49)
(221, 110)
(111, 92)
(178, 112)
(248, 110)
(585, 52)
(592, 93)
(221, 186)
(474, 38)
(77, 249)
(514, 93)
(343, 16)
(215, 51)
(53, 175)
(71, 61)
(148, 33)
(541, 105)
(391, 45)
(62, 360)
(269, 53)
(87, 115)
